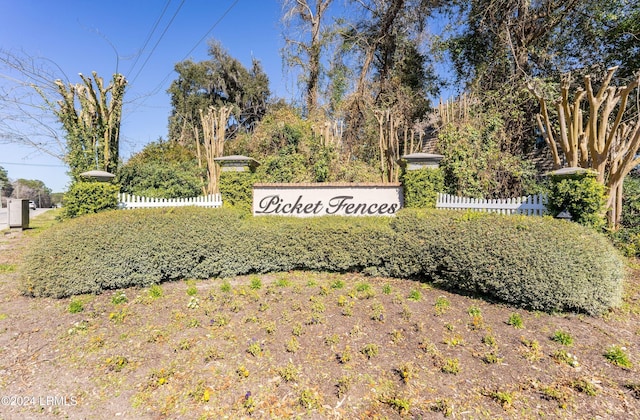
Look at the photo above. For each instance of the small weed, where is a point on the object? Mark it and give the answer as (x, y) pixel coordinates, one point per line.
(256, 283)
(557, 394)
(386, 289)
(474, 311)
(297, 329)
(562, 338)
(213, 353)
(515, 320)
(75, 306)
(192, 290)
(225, 286)
(156, 336)
(255, 349)
(343, 385)
(405, 313)
(193, 323)
(96, 342)
(491, 358)
(356, 330)
(504, 398)
(155, 291)
(489, 340)
(312, 283)
(443, 406)
(363, 287)
(117, 363)
(402, 405)
(584, 386)
(293, 345)
(396, 336)
(194, 303)
(476, 323)
(342, 301)
(220, 320)
(289, 373)
(315, 319)
(406, 371)
(120, 316)
(563, 356)
(451, 366)
(263, 307)
(316, 305)
(338, 284)
(454, 340)
(119, 298)
(370, 350)
(428, 347)
(310, 399)
(324, 290)
(270, 327)
(617, 356)
(251, 319)
(415, 295)
(345, 356)
(184, 344)
(347, 310)
(533, 350)
(442, 305)
(242, 372)
(283, 282)
(332, 340)
(377, 312)
(7, 268)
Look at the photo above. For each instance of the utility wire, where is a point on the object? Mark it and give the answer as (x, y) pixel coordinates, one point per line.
(33, 164)
(153, 30)
(158, 41)
(159, 86)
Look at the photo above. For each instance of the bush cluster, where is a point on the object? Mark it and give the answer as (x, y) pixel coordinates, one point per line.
(89, 197)
(581, 195)
(421, 187)
(538, 263)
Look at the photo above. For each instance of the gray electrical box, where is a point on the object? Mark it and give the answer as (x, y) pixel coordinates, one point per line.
(18, 212)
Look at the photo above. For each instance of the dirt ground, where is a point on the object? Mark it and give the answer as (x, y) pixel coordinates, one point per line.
(308, 345)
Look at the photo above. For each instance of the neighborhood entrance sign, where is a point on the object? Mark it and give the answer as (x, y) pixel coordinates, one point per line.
(320, 199)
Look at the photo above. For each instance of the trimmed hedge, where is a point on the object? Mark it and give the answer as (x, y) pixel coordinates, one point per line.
(537, 263)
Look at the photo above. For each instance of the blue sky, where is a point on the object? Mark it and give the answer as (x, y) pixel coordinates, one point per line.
(83, 36)
(110, 35)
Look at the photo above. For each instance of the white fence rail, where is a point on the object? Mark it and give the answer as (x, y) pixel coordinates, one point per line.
(128, 201)
(533, 205)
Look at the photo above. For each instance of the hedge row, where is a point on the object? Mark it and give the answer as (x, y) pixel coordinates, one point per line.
(537, 263)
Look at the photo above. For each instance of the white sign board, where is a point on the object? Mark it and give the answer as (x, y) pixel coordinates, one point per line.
(321, 199)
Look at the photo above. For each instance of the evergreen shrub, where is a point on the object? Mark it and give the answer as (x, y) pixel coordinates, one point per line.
(236, 189)
(581, 195)
(89, 197)
(421, 187)
(532, 262)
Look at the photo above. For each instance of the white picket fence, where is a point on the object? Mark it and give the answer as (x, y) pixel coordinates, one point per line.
(128, 201)
(533, 205)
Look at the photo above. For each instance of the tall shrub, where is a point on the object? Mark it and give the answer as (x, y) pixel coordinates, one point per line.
(581, 195)
(421, 187)
(89, 197)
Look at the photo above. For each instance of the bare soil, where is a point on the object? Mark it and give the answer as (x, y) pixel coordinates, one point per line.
(307, 345)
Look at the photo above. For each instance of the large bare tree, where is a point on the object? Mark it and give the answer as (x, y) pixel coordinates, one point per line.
(599, 130)
(305, 41)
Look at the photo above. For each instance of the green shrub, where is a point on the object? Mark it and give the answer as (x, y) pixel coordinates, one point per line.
(236, 189)
(581, 195)
(534, 262)
(89, 197)
(421, 187)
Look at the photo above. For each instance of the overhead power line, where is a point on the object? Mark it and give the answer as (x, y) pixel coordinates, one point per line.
(153, 30)
(33, 164)
(158, 41)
